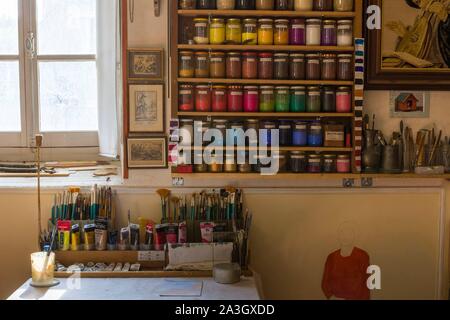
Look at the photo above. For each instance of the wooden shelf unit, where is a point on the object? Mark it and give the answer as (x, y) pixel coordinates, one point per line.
(175, 47)
(304, 149)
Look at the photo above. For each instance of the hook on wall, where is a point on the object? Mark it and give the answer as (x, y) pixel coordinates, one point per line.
(157, 6)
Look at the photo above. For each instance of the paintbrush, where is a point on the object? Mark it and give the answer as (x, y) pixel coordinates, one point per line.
(435, 146)
(164, 195)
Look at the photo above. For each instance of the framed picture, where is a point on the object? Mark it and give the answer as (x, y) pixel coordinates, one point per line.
(146, 64)
(147, 153)
(412, 48)
(409, 104)
(146, 103)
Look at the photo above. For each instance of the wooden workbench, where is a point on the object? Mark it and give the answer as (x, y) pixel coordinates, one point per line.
(134, 289)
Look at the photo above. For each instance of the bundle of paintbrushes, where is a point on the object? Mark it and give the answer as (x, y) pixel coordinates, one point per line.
(75, 206)
(197, 217)
(83, 220)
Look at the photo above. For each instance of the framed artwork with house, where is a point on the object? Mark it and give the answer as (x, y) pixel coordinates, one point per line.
(409, 104)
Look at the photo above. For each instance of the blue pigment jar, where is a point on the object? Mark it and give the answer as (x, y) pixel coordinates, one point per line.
(315, 136)
(300, 134)
(266, 139)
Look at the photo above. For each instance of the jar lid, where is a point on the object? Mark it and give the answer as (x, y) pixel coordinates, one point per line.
(218, 53)
(234, 53)
(312, 55)
(247, 53)
(298, 20)
(298, 88)
(315, 156)
(217, 20)
(266, 54)
(343, 157)
(219, 87)
(191, 53)
(345, 55)
(345, 22)
(328, 55)
(251, 88)
(249, 20)
(281, 54)
(220, 121)
(329, 21)
(329, 156)
(201, 20)
(344, 88)
(186, 86)
(252, 121)
(186, 121)
(265, 20)
(266, 87)
(201, 53)
(202, 86)
(282, 88)
(298, 153)
(313, 88)
(297, 55)
(234, 20)
(313, 21)
(235, 87)
(281, 21)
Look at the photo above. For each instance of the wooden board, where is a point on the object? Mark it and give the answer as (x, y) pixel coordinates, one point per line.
(68, 258)
(34, 175)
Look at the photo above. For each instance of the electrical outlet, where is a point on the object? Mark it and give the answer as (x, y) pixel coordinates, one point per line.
(348, 183)
(177, 182)
(367, 182)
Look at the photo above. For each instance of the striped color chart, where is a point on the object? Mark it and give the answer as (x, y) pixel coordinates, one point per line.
(359, 101)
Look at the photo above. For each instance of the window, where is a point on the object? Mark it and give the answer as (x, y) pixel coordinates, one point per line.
(58, 67)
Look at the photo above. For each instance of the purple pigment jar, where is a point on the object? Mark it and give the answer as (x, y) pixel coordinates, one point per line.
(329, 33)
(297, 32)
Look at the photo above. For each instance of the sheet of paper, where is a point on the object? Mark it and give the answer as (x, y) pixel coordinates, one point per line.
(179, 288)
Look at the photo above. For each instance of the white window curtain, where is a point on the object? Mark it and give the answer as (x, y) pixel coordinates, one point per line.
(109, 81)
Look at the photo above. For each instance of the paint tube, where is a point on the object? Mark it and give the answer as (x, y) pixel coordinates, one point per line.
(89, 237)
(134, 236)
(124, 239)
(207, 230)
(101, 234)
(112, 240)
(182, 232)
(172, 233)
(149, 235)
(75, 238)
(160, 239)
(64, 235)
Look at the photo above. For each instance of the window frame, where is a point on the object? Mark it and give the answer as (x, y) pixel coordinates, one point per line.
(60, 145)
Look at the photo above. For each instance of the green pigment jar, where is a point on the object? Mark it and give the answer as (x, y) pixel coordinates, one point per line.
(282, 99)
(298, 99)
(267, 99)
(313, 100)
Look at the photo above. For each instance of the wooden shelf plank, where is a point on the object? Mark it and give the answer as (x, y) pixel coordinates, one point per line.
(145, 274)
(264, 115)
(226, 47)
(304, 149)
(267, 82)
(267, 13)
(299, 176)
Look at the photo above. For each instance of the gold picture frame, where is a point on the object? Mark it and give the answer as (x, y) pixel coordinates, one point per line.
(146, 108)
(146, 65)
(147, 153)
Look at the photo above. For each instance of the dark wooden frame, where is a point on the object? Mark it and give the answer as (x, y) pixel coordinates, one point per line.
(163, 108)
(378, 79)
(159, 52)
(124, 44)
(166, 154)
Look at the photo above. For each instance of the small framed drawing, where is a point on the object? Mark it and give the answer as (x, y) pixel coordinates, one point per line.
(146, 103)
(409, 104)
(147, 153)
(146, 64)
